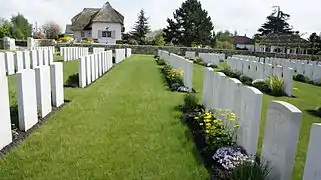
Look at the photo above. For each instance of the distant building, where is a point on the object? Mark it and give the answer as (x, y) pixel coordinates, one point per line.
(68, 29)
(243, 42)
(105, 24)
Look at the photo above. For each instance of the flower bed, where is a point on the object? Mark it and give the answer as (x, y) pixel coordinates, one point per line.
(173, 77)
(214, 133)
(202, 63)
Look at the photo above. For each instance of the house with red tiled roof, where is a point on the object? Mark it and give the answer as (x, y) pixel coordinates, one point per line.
(243, 42)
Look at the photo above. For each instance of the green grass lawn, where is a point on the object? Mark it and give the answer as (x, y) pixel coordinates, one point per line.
(308, 97)
(123, 126)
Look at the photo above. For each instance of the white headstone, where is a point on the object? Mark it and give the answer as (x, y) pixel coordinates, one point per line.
(312, 169)
(82, 72)
(18, 60)
(27, 100)
(34, 59)
(250, 117)
(57, 84)
(51, 56)
(43, 89)
(190, 54)
(5, 122)
(26, 59)
(88, 69)
(280, 138)
(207, 87)
(45, 57)
(9, 60)
(92, 65)
(40, 57)
(288, 80)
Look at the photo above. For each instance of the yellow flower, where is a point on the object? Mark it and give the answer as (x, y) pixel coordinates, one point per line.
(196, 118)
(208, 124)
(201, 124)
(207, 131)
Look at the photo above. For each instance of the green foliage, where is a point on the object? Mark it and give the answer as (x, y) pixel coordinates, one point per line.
(219, 132)
(276, 23)
(315, 42)
(20, 27)
(5, 29)
(262, 86)
(251, 171)
(73, 81)
(224, 45)
(225, 36)
(141, 28)
(276, 85)
(246, 80)
(121, 41)
(190, 102)
(300, 78)
(155, 38)
(161, 62)
(173, 76)
(190, 24)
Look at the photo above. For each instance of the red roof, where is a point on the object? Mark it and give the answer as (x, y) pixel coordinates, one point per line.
(242, 40)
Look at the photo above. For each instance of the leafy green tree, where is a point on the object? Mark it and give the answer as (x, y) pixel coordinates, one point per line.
(5, 29)
(224, 36)
(276, 23)
(20, 29)
(315, 41)
(141, 28)
(155, 38)
(190, 24)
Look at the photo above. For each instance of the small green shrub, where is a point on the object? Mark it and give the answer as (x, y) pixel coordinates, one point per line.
(190, 102)
(276, 85)
(246, 80)
(262, 86)
(300, 78)
(251, 171)
(73, 81)
(160, 62)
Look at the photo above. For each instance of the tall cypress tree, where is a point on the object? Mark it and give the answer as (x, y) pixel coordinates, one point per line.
(141, 28)
(190, 24)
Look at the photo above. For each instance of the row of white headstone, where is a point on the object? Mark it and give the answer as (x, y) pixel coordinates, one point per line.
(310, 69)
(37, 89)
(20, 60)
(120, 55)
(260, 70)
(282, 125)
(93, 66)
(179, 62)
(51, 48)
(98, 49)
(211, 58)
(73, 53)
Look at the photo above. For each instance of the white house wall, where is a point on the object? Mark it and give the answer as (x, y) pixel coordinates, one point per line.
(248, 46)
(102, 27)
(78, 37)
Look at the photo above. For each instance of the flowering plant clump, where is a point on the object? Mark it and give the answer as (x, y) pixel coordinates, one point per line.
(231, 157)
(173, 76)
(219, 127)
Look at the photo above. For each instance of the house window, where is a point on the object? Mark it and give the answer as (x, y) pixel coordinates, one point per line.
(82, 33)
(106, 34)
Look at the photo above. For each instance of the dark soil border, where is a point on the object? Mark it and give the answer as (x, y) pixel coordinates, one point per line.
(17, 139)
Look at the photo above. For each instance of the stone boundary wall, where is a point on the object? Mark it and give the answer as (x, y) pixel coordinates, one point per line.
(147, 49)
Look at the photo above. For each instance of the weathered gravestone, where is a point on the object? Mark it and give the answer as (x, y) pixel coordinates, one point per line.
(34, 59)
(280, 138)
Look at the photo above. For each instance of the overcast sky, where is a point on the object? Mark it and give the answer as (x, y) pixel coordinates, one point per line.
(245, 16)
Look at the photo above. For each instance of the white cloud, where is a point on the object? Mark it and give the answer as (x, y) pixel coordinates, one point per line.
(245, 16)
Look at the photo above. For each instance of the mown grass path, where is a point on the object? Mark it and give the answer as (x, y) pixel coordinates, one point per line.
(124, 126)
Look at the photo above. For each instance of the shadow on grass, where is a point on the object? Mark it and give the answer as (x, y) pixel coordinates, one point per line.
(314, 112)
(14, 116)
(72, 81)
